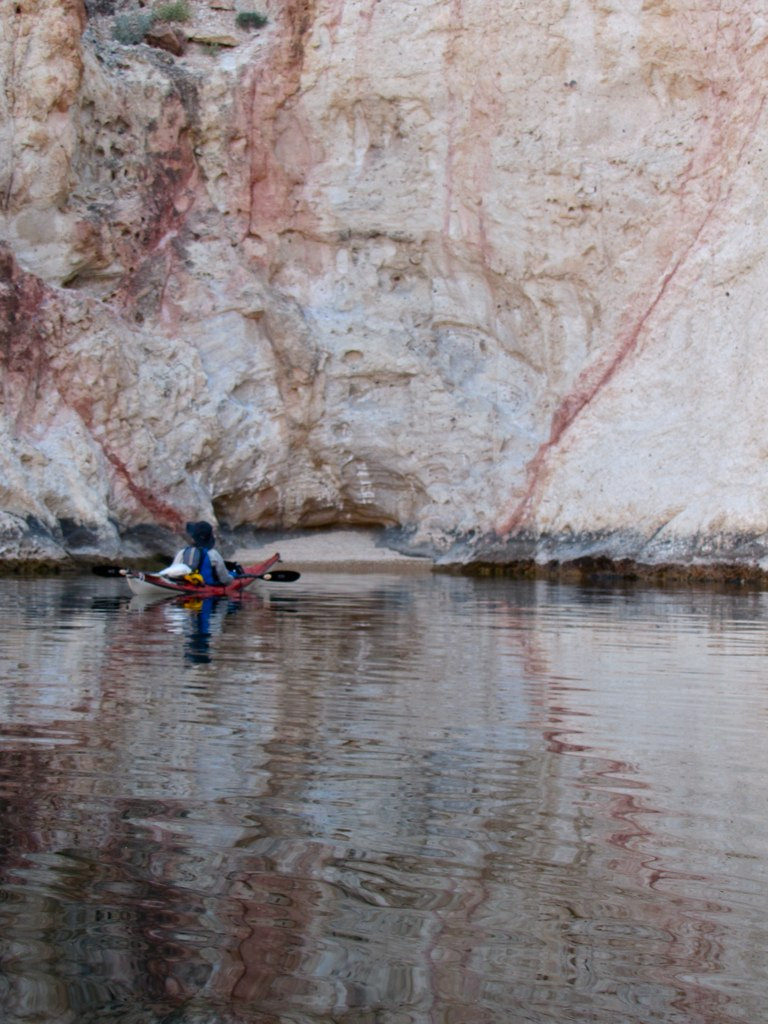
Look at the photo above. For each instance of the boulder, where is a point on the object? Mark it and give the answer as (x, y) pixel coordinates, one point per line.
(208, 38)
(166, 37)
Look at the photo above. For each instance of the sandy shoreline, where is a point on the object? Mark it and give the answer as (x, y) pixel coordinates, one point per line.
(333, 551)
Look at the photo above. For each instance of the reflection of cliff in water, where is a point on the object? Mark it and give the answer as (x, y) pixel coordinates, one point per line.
(639, 677)
(435, 796)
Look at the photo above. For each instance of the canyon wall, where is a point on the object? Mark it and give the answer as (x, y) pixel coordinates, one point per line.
(487, 271)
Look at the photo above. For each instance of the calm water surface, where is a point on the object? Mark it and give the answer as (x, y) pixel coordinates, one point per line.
(383, 799)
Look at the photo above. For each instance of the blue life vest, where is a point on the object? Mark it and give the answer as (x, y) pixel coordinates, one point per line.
(198, 561)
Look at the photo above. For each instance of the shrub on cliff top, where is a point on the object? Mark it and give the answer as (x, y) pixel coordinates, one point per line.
(130, 29)
(251, 19)
(175, 10)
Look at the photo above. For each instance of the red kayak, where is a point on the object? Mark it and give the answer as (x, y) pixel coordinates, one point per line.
(155, 584)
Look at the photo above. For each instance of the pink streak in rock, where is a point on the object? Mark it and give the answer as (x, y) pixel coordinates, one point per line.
(593, 379)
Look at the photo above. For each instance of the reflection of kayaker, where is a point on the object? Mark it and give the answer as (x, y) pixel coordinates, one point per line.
(198, 640)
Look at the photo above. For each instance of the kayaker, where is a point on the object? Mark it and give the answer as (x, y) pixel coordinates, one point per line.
(201, 556)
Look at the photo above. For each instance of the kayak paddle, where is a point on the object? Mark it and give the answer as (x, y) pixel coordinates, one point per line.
(273, 576)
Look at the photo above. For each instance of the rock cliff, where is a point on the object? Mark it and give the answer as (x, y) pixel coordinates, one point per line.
(490, 272)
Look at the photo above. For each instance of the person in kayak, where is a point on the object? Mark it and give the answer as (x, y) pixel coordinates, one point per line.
(201, 556)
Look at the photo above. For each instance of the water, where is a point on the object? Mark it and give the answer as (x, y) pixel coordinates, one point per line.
(383, 799)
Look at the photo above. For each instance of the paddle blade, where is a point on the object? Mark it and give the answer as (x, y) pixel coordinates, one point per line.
(280, 576)
(108, 570)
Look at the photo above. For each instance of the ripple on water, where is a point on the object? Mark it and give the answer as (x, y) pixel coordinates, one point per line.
(386, 799)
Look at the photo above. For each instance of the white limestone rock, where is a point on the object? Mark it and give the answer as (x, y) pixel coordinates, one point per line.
(490, 274)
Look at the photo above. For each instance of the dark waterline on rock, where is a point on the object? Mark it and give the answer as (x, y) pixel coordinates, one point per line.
(383, 799)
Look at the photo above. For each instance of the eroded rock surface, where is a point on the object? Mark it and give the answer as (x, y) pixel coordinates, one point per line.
(492, 273)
